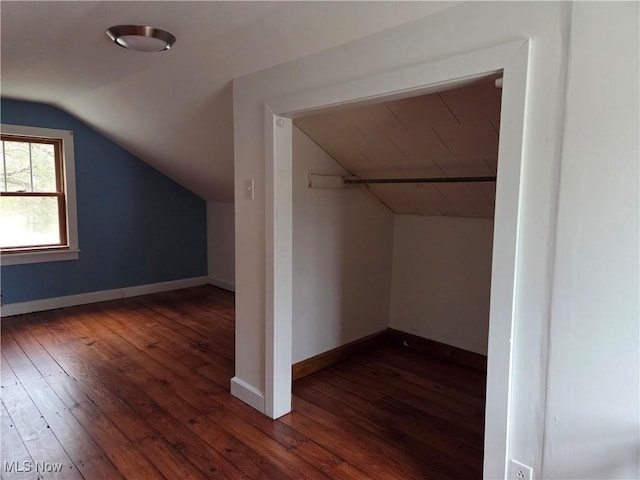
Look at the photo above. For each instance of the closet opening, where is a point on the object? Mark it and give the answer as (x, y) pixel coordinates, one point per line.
(284, 346)
(393, 209)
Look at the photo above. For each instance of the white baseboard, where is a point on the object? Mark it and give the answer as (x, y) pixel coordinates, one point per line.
(247, 393)
(222, 284)
(101, 296)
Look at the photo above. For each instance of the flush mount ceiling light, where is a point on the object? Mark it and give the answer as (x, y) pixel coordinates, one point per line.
(141, 38)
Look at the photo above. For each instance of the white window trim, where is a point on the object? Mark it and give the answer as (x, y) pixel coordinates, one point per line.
(69, 172)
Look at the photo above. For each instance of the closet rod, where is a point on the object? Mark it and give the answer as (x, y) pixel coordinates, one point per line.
(357, 181)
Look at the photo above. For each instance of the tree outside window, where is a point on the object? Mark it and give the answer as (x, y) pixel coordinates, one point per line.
(32, 194)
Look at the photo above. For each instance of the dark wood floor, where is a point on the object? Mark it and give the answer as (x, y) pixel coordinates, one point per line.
(139, 389)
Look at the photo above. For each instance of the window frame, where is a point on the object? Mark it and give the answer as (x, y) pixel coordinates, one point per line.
(65, 182)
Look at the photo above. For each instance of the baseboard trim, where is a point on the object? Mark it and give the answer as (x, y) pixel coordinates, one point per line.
(222, 284)
(100, 296)
(326, 359)
(440, 350)
(390, 335)
(247, 393)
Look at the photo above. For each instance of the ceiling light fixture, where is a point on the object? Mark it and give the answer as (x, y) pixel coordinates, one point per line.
(141, 38)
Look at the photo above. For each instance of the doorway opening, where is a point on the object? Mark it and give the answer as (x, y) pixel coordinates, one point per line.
(510, 59)
(393, 207)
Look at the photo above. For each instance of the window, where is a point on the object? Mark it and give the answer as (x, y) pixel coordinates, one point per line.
(37, 196)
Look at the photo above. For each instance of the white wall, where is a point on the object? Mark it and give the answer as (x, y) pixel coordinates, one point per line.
(346, 243)
(221, 244)
(596, 269)
(441, 279)
(461, 29)
(342, 241)
(593, 424)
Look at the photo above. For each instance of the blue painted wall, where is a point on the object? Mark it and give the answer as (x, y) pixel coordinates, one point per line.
(135, 225)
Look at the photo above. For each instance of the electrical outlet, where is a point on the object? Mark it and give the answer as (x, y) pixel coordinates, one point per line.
(519, 471)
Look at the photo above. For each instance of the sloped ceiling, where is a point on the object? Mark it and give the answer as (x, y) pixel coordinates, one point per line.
(173, 109)
(453, 133)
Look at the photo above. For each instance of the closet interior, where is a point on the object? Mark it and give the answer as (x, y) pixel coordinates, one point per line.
(399, 251)
(393, 207)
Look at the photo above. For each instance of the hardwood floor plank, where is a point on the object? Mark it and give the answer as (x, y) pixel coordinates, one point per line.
(182, 319)
(36, 434)
(121, 452)
(376, 458)
(434, 463)
(114, 448)
(138, 389)
(300, 444)
(391, 386)
(7, 377)
(168, 460)
(97, 468)
(383, 432)
(159, 350)
(435, 383)
(197, 390)
(77, 443)
(280, 432)
(331, 464)
(461, 379)
(288, 462)
(14, 452)
(183, 342)
(171, 342)
(178, 422)
(74, 328)
(341, 386)
(84, 388)
(197, 345)
(472, 435)
(192, 448)
(22, 335)
(390, 411)
(20, 364)
(367, 393)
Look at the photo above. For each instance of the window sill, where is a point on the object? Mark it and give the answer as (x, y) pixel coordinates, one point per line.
(39, 257)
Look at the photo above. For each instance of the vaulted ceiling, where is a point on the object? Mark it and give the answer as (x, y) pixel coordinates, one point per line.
(173, 109)
(452, 133)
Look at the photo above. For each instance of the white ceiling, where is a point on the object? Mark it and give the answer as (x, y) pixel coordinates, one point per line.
(173, 109)
(453, 133)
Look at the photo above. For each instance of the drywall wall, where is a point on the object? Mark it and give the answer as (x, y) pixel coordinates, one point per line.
(342, 243)
(591, 270)
(221, 244)
(135, 225)
(461, 29)
(593, 409)
(441, 280)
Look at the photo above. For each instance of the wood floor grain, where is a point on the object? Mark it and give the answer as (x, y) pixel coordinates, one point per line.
(138, 389)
